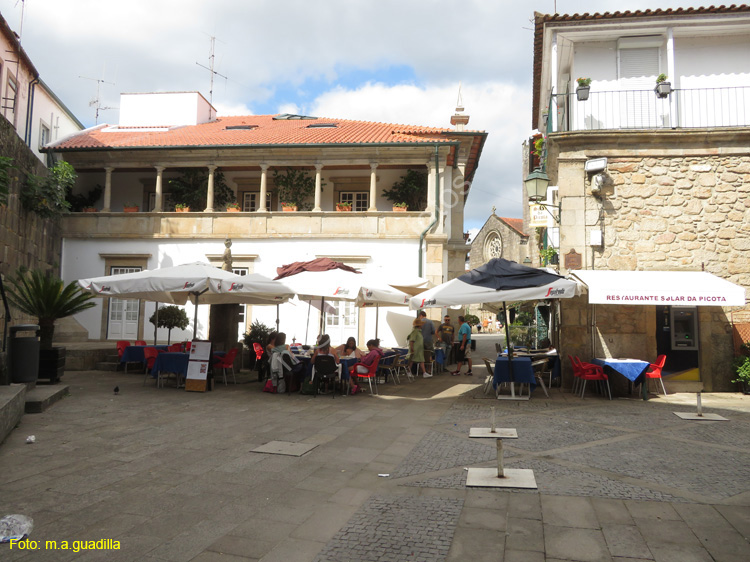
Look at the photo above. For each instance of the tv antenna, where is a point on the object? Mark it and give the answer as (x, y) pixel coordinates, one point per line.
(211, 69)
(97, 100)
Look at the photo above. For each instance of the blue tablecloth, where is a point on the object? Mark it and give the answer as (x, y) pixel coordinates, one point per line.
(134, 353)
(523, 372)
(171, 362)
(631, 369)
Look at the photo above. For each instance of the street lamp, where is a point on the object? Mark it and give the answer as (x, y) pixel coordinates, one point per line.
(536, 186)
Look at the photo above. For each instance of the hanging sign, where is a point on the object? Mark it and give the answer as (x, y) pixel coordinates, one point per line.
(538, 216)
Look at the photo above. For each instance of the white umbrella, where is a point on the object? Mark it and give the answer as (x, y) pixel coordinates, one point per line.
(199, 282)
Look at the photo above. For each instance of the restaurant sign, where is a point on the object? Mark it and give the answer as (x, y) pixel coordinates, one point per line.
(539, 216)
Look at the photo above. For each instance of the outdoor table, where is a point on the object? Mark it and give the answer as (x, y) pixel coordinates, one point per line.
(171, 362)
(134, 354)
(631, 369)
(401, 350)
(523, 373)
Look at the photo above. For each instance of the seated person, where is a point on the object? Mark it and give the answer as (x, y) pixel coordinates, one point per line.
(323, 347)
(284, 364)
(349, 349)
(373, 352)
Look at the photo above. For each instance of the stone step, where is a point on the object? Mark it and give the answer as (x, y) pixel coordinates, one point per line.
(43, 396)
(12, 400)
(107, 366)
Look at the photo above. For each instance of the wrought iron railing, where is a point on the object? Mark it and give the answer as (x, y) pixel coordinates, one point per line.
(643, 109)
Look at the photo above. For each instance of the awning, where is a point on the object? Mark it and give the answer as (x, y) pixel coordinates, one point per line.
(671, 288)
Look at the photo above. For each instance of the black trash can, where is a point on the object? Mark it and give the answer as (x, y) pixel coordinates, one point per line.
(23, 354)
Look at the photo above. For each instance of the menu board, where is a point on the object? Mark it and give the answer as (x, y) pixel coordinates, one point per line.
(198, 366)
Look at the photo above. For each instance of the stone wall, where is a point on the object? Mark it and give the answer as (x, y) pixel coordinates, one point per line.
(25, 239)
(672, 200)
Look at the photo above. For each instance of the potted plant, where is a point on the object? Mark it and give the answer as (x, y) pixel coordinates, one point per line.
(170, 317)
(410, 191)
(181, 208)
(663, 88)
(584, 87)
(295, 188)
(90, 210)
(741, 367)
(343, 207)
(233, 207)
(45, 296)
(288, 207)
(400, 207)
(130, 208)
(258, 333)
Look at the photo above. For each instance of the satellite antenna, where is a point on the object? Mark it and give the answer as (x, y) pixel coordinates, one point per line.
(211, 69)
(97, 100)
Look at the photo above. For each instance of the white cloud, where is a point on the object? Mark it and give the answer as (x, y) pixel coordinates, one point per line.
(500, 109)
(226, 110)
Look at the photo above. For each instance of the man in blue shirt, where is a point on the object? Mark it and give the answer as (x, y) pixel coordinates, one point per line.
(464, 350)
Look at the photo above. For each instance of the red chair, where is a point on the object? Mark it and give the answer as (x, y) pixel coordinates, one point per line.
(188, 345)
(258, 349)
(121, 345)
(654, 371)
(370, 375)
(591, 372)
(227, 362)
(149, 356)
(140, 342)
(175, 348)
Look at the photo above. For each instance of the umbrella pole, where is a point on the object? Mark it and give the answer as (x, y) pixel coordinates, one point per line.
(322, 315)
(507, 343)
(377, 319)
(195, 316)
(277, 318)
(156, 324)
(307, 325)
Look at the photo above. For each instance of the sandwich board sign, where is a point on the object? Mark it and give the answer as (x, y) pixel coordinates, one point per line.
(198, 366)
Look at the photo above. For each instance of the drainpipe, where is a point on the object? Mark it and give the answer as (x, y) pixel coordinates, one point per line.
(437, 210)
(30, 111)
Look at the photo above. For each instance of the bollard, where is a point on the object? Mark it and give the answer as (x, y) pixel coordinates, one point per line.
(700, 406)
(500, 470)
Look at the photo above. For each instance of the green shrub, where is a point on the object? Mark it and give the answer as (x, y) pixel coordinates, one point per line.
(171, 317)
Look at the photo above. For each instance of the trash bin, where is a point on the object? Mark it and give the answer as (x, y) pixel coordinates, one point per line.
(23, 354)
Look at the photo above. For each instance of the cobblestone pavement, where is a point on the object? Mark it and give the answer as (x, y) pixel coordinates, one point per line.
(171, 475)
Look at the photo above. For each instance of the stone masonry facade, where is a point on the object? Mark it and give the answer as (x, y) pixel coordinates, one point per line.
(671, 200)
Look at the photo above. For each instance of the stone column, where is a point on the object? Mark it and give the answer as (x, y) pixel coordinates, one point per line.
(373, 186)
(158, 198)
(318, 168)
(107, 190)
(431, 181)
(210, 191)
(263, 187)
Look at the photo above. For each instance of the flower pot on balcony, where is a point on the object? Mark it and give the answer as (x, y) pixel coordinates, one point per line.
(663, 89)
(343, 208)
(233, 210)
(399, 209)
(288, 208)
(90, 210)
(583, 92)
(130, 209)
(182, 209)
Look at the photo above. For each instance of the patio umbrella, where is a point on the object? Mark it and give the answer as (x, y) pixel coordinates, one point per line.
(498, 280)
(325, 279)
(201, 283)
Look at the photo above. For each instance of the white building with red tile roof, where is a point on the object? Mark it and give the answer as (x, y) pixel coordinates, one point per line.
(161, 135)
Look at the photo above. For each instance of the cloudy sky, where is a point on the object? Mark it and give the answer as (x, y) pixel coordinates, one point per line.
(398, 61)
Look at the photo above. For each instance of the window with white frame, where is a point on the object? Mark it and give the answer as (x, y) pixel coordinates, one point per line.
(243, 307)
(166, 202)
(44, 137)
(11, 91)
(359, 200)
(251, 200)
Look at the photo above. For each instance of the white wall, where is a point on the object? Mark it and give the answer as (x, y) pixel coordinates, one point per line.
(81, 259)
(57, 120)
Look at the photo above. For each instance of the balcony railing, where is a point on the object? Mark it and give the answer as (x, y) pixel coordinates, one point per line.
(643, 109)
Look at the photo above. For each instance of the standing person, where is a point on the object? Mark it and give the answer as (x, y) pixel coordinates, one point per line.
(447, 333)
(416, 348)
(428, 336)
(464, 353)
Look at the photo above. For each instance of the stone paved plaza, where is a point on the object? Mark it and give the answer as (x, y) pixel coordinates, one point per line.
(171, 475)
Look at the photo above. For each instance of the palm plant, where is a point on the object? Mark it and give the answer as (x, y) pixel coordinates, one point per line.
(48, 298)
